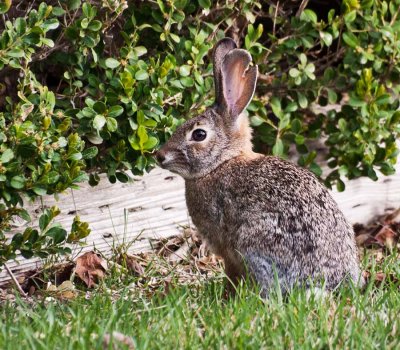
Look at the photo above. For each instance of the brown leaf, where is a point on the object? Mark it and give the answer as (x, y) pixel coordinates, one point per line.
(393, 218)
(181, 254)
(386, 237)
(131, 264)
(362, 239)
(65, 290)
(380, 276)
(90, 268)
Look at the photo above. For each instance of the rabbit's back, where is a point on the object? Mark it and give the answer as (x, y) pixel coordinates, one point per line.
(269, 208)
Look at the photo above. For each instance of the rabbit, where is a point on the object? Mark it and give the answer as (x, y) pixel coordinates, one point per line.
(264, 215)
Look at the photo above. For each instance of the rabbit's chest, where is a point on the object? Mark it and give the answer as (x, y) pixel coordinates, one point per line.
(207, 207)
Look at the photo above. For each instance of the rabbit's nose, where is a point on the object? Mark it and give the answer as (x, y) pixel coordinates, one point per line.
(160, 156)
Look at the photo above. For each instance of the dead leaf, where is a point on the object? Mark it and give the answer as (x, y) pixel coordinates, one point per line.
(393, 218)
(66, 285)
(131, 264)
(65, 290)
(362, 239)
(181, 254)
(170, 245)
(51, 288)
(386, 237)
(90, 268)
(380, 276)
(117, 339)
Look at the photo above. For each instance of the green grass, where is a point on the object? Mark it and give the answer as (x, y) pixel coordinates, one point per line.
(199, 317)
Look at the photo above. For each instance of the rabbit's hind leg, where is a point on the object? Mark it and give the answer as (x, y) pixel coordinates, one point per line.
(267, 273)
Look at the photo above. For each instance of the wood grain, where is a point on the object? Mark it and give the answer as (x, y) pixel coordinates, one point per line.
(153, 207)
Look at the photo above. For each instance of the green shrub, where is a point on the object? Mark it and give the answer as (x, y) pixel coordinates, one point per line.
(96, 86)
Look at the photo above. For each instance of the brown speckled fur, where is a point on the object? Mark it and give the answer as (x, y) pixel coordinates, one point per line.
(262, 214)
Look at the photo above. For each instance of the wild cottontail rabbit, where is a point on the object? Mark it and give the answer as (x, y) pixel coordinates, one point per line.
(260, 213)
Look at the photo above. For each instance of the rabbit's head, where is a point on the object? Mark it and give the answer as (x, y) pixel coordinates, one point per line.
(222, 132)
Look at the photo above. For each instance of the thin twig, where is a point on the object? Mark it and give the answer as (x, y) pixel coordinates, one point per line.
(301, 8)
(395, 17)
(275, 15)
(15, 281)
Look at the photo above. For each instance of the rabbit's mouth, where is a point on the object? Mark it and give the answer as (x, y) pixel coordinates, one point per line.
(168, 161)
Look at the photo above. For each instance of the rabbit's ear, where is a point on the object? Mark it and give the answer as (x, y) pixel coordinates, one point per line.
(238, 81)
(220, 50)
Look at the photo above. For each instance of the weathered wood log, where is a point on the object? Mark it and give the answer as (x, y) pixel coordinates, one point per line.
(153, 207)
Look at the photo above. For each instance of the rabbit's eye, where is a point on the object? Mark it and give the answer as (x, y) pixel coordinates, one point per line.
(199, 135)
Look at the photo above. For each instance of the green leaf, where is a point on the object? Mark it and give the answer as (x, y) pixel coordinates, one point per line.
(17, 182)
(20, 25)
(294, 73)
(112, 63)
(141, 75)
(326, 38)
(184, 70)
(57, 233)
(52, 177)
(90, 152)
(350, 39)
(140, 50)
(303, 59)
(151, 143)
(122, 177)
(85, 23)
(112, 124)
(75, 156)
(291, 107)
(205, 4)
(356, 102)
(40, 190)
(99, 121)
(7, 155)
(332, 96)
(342, 124)
(187, 81)
(309, 70)
(134, 142)
(299, 139)
(17, 53)
(74, 4)
(47, 42)
(50, 24)
(296, 125)
(316, 169)
(350, 17)
(44, 221)
(303, 103)
(5, 6)
(115, 111)
(141, 163)
(95, 26)
(99, 107)
(372, 174)
(142, 133)
(23, 214)
(79, 230)
(276, 106)
(309, 16)
(340, 186)
(175, 37)
(58, 11)
(278, 148)
(387, 169)
(255, 120)
(383, 99)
